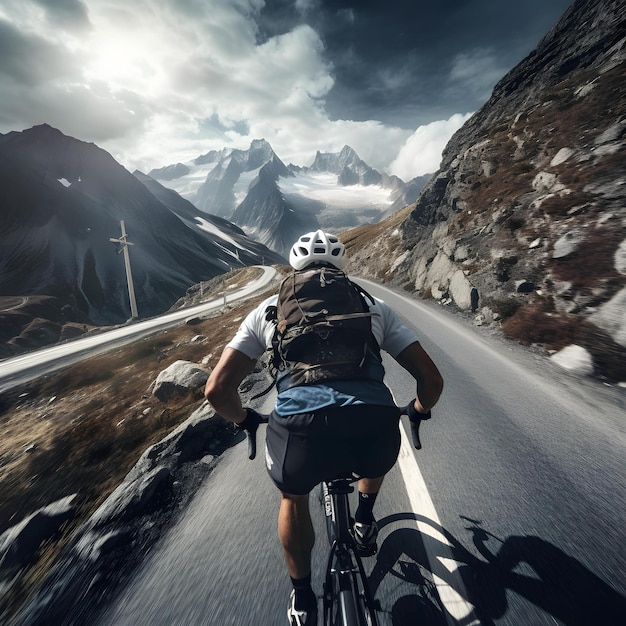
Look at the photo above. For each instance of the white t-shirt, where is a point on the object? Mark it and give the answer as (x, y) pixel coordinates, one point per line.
(255, 333)
(254, 337)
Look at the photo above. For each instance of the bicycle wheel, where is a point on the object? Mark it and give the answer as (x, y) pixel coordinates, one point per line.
(348, 611)
(347, 598)
(340, 601)
(366, 611)
(349, 607)
(366, 606)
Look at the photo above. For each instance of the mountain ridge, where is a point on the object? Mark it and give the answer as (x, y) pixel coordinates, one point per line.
(524, 224)
(338, 190)
(63, 199)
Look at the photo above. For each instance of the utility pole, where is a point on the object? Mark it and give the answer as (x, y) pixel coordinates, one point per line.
(123, 240)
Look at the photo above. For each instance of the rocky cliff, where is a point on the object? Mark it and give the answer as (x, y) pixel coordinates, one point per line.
(525, 222)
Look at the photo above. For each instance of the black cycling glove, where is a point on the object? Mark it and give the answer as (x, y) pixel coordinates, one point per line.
(414, 415)
(252, 421)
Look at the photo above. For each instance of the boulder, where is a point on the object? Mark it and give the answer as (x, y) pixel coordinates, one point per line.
(461, 290)
(19, 544)
(610, 317)
(134, 497)
(561, 156)
(574, 358)
(179, 377)
(566, 244)
(546, 182)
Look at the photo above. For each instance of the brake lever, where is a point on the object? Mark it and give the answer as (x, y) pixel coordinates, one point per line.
(251, 434)
(251, 443)
(415, 424)
(415, 434)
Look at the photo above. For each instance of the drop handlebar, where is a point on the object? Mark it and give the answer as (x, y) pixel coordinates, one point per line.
(415, 419)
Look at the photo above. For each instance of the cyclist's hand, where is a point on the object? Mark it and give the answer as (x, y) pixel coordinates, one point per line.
(252, 421)
(250, 425)
(414, 415)
(416, 418)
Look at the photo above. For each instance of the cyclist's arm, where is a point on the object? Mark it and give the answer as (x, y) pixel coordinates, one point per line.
(221, 388)
(237, 361)
(416, 361)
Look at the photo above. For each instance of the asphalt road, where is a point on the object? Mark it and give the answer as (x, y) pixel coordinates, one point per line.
(513, 513)
(20, 369)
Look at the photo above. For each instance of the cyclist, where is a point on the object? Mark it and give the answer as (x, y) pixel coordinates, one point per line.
(320, 430)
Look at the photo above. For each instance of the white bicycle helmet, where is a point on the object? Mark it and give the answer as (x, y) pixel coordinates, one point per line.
(315, 247)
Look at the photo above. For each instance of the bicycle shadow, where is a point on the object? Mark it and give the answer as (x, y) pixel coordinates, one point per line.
(551, 579)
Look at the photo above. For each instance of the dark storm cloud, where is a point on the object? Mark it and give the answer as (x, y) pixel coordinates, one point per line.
(393, 61)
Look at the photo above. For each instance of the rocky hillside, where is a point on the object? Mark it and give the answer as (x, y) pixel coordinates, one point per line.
(525, 222)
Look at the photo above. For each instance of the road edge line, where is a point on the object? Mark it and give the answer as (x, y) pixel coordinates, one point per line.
(457, 608)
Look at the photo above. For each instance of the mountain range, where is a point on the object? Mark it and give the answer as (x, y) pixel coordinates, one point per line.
(62, 202)
(274, 203)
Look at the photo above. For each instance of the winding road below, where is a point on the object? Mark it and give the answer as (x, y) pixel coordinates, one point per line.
(20, 369)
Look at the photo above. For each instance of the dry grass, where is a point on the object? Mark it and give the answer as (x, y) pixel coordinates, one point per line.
(372, 246)
(81, 430)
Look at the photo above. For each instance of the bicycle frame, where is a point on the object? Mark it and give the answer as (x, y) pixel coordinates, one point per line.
(347, 599)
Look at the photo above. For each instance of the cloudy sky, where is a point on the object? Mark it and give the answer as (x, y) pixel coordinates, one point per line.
(155, 82)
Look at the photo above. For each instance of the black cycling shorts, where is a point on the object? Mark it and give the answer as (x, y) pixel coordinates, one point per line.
(303, 450)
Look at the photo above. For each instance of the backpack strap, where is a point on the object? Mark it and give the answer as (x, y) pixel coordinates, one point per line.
(265, 391)
(364, 294)
(271, 315)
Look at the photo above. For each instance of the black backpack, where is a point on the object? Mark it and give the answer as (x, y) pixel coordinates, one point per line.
(323, 329)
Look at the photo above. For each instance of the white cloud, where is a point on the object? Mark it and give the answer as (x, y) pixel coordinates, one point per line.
(159, 82)
(421, 153)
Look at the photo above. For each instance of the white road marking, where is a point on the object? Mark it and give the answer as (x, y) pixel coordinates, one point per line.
(457, 608)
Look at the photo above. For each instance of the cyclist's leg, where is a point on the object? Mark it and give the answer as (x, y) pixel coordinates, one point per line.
(368, 490)
(371, 485)
(294, 461)
(376, 453)
(297, 537)
(296, 534)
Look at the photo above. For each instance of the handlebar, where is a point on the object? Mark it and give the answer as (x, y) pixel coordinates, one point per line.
(415, 434)
(405, 410)
(251, 434)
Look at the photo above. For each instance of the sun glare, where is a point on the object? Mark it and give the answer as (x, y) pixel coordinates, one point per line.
(123, 61)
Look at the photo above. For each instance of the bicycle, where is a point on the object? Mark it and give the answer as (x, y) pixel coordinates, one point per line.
(347, 599)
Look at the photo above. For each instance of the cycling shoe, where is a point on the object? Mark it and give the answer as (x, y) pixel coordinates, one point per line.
(300, 618)
(365, 536)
